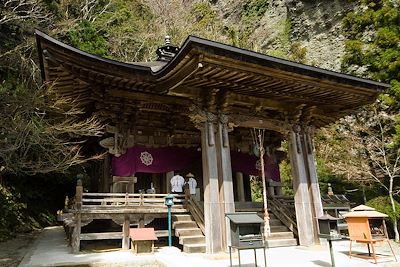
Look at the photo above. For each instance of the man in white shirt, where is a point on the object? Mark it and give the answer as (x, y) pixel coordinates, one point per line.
(177, 182)
(192, 183)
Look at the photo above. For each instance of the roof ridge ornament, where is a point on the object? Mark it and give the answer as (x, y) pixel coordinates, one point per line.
(168, 51)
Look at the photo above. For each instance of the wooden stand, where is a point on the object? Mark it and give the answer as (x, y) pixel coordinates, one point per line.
(239, 248)
(367, 226)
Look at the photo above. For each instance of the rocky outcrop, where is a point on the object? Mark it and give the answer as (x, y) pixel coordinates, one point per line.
(313, 25)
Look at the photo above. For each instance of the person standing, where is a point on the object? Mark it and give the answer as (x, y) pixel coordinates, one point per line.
(177, 183)
(192, 183)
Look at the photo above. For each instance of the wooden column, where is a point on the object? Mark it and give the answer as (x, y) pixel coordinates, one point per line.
(76, 232)
(155, 179)
(240, 187)
(168, 177)
(125, 233)
(225, 179)
(314, 186)
(270, 188)
(105, 178)
(303, 205)
(212, 219)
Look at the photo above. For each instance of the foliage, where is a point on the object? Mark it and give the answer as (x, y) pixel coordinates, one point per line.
(12, 212)
(374, 39)
(365, 147)
(286, 178)
(26, 205)
(256, 189)
(86, 37)
(297, 52)
(382, 204)
(36, 136)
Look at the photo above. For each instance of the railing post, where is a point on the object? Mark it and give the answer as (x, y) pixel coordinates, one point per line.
(187, 195)
(76, 232)
(141, 199)
(78, 194)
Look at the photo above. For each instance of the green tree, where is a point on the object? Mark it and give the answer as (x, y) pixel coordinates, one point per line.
(373, 50)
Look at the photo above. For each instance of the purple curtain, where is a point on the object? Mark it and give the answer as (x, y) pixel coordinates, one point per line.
(251, 165)
(165, 159)
(154, 160)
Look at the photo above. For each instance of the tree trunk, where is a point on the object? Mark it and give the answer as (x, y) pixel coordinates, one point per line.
(396, 231)
(363, 193)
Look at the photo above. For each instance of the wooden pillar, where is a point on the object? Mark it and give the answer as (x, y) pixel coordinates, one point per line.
(105, 177)
(76, 232)
(302, 197)
(141, 222)
(125, 233)
(271, 188)
(212, 219)
(155, 179)
(314, 186)
(240, 187)
(168, 177)
(225, 179)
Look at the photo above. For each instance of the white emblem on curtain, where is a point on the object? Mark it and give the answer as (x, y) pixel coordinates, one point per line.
(146, 158)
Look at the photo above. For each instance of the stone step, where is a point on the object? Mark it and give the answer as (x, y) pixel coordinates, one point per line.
(188, 232)
(194, 248)
(184, 224)
(279, 228)
(281, 235)
(184, 240)
(182, 217)
(271, 243)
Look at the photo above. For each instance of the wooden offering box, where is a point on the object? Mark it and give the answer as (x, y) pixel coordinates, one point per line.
(366, 225)
(142, 240)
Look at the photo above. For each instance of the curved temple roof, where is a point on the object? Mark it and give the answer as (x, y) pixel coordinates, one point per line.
(211, 75)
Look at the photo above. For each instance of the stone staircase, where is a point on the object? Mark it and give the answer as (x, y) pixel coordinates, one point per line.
(280, 236)
(189, 234)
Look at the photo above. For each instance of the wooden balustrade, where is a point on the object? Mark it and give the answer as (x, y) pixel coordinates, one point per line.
(284, 211)
(118, 207)
(196, 209)
(115, 200)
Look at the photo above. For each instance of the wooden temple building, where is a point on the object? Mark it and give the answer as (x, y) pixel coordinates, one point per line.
(204, 97)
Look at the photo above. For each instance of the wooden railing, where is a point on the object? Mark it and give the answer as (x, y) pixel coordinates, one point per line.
(283, 209)
(125, 200)
(196, 209)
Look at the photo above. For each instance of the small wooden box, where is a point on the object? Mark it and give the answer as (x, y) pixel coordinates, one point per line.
(142, 240)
